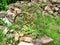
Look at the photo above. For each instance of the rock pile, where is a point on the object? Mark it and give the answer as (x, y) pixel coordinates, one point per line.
(21, 39)
(52, 7)
(19, 36)
(29, 40)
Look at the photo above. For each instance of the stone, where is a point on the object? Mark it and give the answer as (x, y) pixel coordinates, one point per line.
(29, 4)
(55, 13)
(17, 4)
(25, 43)
(16, 36)
(3, 14)
(11, 31)
(2, 27)
(36, 42)
(39, 1)
(10, 13)
(56, 9)
(51, 12)
(47, 8)
(21, 34)
(45, 39)
(18, 10)
(28, 39)
(21, 38)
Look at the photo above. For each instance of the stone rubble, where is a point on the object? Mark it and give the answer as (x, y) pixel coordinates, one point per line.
(16, 7)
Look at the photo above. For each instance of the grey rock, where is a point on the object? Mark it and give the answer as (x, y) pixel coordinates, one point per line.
(45, 39)
(36, 42)
(3, 14)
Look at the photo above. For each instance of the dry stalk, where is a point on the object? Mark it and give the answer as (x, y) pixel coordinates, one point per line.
(24, 13)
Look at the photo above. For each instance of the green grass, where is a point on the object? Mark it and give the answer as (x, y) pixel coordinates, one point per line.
(2, 38)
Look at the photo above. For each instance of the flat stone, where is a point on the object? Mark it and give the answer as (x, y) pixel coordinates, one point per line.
(21, 34)
(28, 39)
(3, 14)
(45, 39)
(24, 43)
(16, 36)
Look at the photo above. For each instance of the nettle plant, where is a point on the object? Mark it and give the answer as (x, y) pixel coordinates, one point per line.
(29, 31)
(11, 1)
(2, 4)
